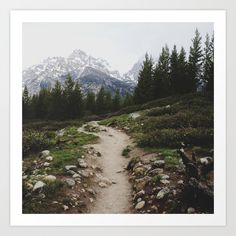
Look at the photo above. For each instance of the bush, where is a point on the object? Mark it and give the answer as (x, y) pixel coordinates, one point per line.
(35, 141)
(173, 137)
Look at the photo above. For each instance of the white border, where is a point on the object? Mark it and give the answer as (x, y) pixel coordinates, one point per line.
(217, 17)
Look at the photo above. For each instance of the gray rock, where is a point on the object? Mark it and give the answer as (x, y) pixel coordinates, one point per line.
(162, 193)
(191, 210)
(206, 160)
(102, 185)
(180, 182)
(82, 163)
(159, 163)
(140, 205)
(49, 158)
(165, 176)
(70, 182)
(50, 178)
(139, 199)
(164, 181)
(46, 164)
(75, 175)
(83, 173)
(71, 172)
(155, 171)
(38, 185)
(71, 167)
(45, 153)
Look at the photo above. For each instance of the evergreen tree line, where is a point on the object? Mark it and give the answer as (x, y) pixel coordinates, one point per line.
(68, 102)
(174, 74)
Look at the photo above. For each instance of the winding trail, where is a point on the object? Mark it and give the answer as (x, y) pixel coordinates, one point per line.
(115, 198)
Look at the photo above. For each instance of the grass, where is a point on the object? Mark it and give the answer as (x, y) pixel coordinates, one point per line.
(167, 122)
(126, 151)
(156, 179)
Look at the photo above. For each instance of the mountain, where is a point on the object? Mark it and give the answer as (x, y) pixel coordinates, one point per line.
(92, 73)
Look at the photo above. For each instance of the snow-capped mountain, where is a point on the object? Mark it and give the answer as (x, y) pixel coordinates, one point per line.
(132, 75)
(91, 72)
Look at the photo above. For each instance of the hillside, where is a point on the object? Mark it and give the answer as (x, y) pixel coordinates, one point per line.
(168, 158)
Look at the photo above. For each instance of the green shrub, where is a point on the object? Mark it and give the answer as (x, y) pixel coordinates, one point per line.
(126, 151)
(35, 141)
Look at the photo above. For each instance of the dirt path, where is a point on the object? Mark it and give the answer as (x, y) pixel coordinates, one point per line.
(115, 198)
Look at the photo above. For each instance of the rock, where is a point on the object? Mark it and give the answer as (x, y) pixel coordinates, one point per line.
(83, 173)
(139, 171)
(71, 167)
(162, 193)
(44, 153)
(65, 207)
(139, 199)
(71, 172)
(82, 163)
(102, 185)
(159, 163)
(42, 195)
(154, 208)
(29, 186)
(24, 177)
(164, 181)
(99, 154)
(38, 185)
(91, 200)
(104, 179)
(49, 158)
(46, 164)
(155, 171)
(70, 182)
(165, 176)
(190, 210)
(140, 205)
(180, 182)
(75, 175)
(140, 183)
(140, 193)
(50, 178)
(90, 190)
(206, 160)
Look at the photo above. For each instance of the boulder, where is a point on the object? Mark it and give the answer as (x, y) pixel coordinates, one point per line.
(140, 205)
(83, 173)
(190, 210)
(38, 185)
(46, 164)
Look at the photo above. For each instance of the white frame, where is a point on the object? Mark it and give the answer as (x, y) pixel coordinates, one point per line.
(18, 17)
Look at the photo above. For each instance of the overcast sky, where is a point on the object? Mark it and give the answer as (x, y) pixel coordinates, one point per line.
(121, 44)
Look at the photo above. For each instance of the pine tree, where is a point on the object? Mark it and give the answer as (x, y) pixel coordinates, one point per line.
(195, 62)
(100, 101)
(57, 102)
(116, 101)
(43, 104)
(107, 101)
(174, 70)
(90, 101)
(26, 103)
(78, 105)
(143, 90)
(128, 100)
(162, 86)
(208, 66)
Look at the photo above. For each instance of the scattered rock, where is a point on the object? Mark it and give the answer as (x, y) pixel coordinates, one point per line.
(50, 178)
(140, 205)
(71, 167)
(159, 163)
(71, 172)
(38, 185)
(180, 182)
(70, 182)
(102, 185)
(49, 158)
(164, 181)
(90, 190)
(155, 171)
(65, 207)
(139, 199)
(205, 160)
(75, 175)
(162, 193)
(44, 153)
(24, 177)
(139, 171)
(83, 173)
(190, 210)
(46, 164)
(165, 176)
(82, 163)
